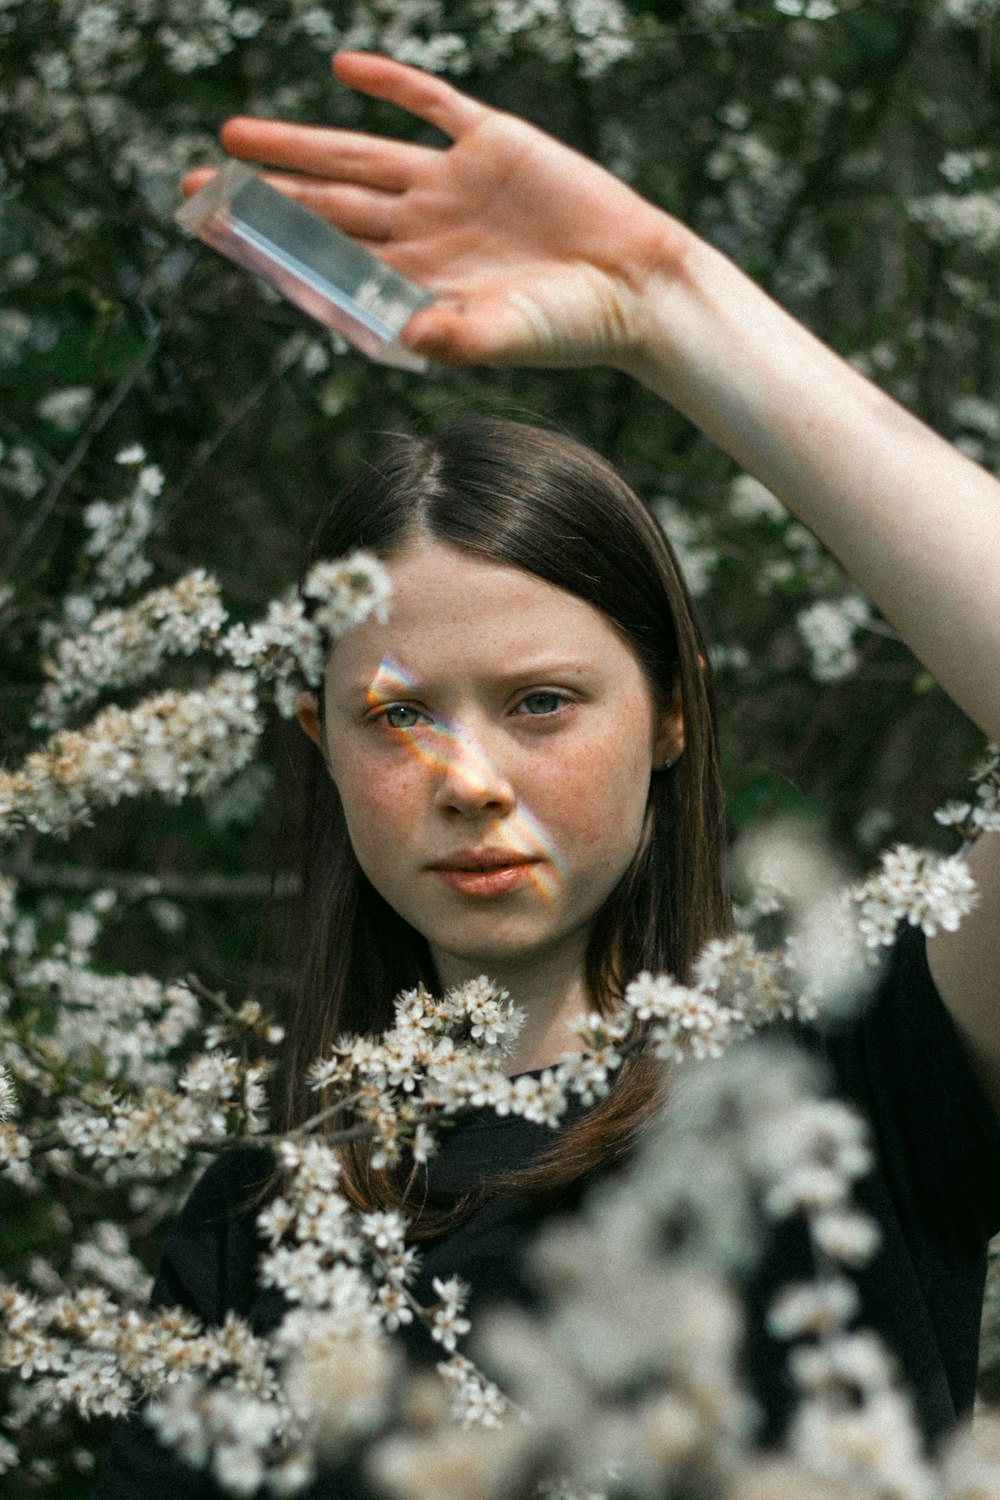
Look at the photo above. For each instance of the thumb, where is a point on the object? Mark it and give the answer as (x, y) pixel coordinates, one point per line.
(481, 330)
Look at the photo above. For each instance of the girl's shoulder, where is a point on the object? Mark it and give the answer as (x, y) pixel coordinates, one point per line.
(234, 1183)
(209, 1263)
(901, 1059)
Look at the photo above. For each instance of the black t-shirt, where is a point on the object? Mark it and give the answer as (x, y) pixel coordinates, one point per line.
(935, 1193)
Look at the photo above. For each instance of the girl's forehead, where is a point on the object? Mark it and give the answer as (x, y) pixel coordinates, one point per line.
(445, 596)
(454, 613)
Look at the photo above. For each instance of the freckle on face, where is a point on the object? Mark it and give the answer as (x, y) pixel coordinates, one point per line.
(476, 771)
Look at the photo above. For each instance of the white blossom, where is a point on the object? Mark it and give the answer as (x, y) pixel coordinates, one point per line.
(817, 1308)
(449, 1325)
(338, 1375)
(174, 745)
(972, 218)
(874, 1445)
(67, 408)
(689, 538)
(8, 1095)
(15, 1156)
(749, 500)
(828, 629)
(985, 774)
(120, 648)
(915, 886)
(291, 642)
(858, 1361)
(119, 531)
(475, 1401)
(131, 1021)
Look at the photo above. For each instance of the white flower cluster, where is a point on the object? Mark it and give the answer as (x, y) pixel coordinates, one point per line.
(809, 10)
(971, 219)
(131, 1021)
(67, 408)
(625, 1313)
(349, 1271)
(440, 1055)
(829, 628)
(738, 989)
(79, 1349)
(628, 1374)
(120, 529)
(20, 470)
(173, 745)
(968, 12)
(8, 1095)
(15, 1157)
(413, 31)
(751, 501)
(8, 912)
(689, 538)
(346, 1275)
(154, 1134)
(228, 1432)
(106, 1257)
(853, 1425)
(983, 816)
(443, 1462)
(122, 647)
(915, 886)
(290, 644)
(602, 34)
(345, 592)
(475, 1401)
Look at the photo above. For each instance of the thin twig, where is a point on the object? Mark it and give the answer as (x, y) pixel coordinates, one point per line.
(139, 887)
(208, 450)
(81, 448)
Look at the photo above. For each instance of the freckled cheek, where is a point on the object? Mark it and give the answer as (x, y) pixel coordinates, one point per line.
(382, 805)
(595, 807)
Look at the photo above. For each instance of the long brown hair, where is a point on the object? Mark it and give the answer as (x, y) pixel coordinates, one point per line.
(540, 501)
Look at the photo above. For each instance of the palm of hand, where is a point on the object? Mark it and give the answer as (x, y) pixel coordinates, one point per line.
(516, 233)
(536, 254)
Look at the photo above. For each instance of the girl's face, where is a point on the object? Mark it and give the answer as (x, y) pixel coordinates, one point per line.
(492, 745)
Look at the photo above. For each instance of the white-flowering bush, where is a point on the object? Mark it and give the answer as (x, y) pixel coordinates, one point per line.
(149, 1096)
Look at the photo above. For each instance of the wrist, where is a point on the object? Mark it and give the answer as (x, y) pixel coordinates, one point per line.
(670, 311)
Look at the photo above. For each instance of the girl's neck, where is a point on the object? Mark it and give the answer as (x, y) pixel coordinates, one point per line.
(549, 988)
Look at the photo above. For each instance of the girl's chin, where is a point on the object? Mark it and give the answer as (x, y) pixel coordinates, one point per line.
(497, 958)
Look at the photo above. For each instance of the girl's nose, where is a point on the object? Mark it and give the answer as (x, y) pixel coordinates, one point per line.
(470, 781)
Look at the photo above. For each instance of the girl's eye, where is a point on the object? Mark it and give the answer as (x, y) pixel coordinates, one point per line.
(400, 716)
(539, 705)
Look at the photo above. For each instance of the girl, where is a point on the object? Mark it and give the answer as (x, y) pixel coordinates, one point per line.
(517, 772)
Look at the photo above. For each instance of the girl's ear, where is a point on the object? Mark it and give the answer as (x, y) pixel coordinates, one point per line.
(307, 713)
(668, 745)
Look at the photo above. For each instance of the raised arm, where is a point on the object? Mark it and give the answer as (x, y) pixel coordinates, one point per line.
(538, 256)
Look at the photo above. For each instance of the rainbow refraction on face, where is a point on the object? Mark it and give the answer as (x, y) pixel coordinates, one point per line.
(519, 831)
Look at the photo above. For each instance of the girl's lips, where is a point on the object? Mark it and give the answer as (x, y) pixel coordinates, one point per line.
(492, 882)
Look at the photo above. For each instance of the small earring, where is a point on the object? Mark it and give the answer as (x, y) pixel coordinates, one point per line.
(664, 765)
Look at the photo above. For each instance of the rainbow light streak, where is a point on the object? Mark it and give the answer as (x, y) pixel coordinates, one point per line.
(520, 832)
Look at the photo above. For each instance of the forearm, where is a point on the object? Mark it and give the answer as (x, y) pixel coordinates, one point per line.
(537, 256)
(915, 522)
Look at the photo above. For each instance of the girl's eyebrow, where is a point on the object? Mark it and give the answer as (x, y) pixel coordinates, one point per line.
(387, 685)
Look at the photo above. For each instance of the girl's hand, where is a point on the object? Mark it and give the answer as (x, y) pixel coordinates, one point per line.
(538, 255)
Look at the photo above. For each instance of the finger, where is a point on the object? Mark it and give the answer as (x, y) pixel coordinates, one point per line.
(358, 211)
(420, 93)
(193, 182)
(364, 214)
(344, 155)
